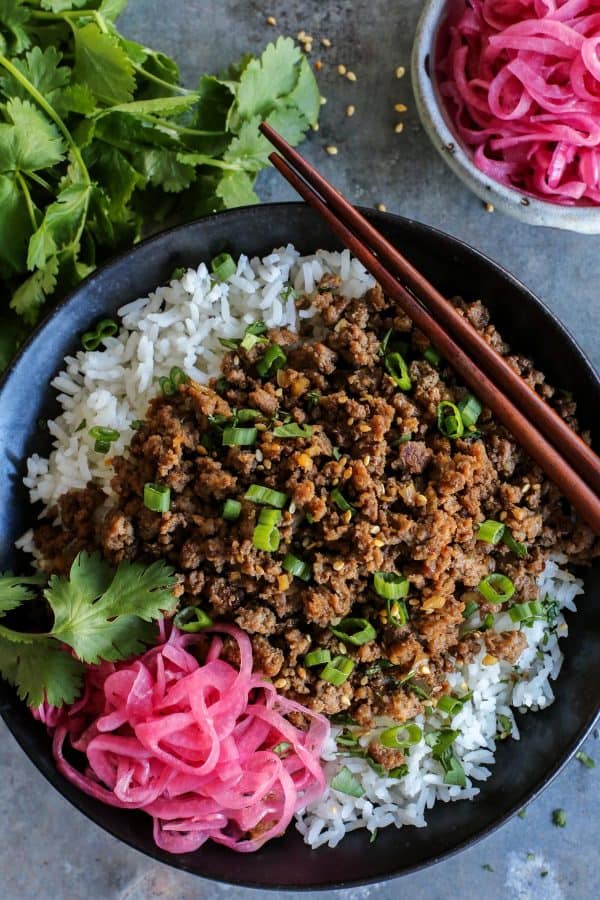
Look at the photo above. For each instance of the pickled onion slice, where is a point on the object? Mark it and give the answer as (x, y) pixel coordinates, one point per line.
(208, 750)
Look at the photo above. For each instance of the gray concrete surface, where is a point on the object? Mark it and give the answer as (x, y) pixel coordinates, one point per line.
(48, 850)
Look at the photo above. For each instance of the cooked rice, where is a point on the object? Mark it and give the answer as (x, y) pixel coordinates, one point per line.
(179, 325)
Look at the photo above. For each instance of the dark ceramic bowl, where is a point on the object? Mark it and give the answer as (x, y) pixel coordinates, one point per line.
(548, 738)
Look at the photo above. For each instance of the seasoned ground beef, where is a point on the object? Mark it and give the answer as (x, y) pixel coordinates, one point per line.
(371, 485)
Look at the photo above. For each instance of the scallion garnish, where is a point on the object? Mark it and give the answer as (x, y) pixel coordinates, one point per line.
(229, 343)
(384, 343)
(266, 496)
(296, 567)
(266, 537)
(346, 783)
(313, 398)
(336, 453)
(452, 705)
(192, 619)
(338, 670)
(514, 546)
(496, 588)
(504, 725)
(390, 585)
(243, 416)
(470, 410)
(347, 739)
(293, 430)
(136, 424)
(273, 360)
(317, 658)
(91, 340)
(231, 510)
(526, 613)
(469, 609)
(81, 426)
(354, 631)
(103, 438)
(401, 736)
(341, 502)
(223, 266)
(432, 356)
(441, 743)
(239, 437)
(397, 370)
(269, 517)
(167, 386)
(490, 531)
(178, 376)
(157, 497)
(559, 818)
(450, 424)
(585, 760)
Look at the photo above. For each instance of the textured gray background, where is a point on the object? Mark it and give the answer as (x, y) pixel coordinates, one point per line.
(48, 849)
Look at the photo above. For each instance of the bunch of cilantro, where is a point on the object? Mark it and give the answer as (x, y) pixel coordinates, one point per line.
(98, 614)
(98, 140)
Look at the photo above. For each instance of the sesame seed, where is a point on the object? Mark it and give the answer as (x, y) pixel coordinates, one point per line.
(326, 42)
(341, 69)
(347, 474)
(400, 72)
(292, 507)
(323, 101)
(400, 107)
(338, 565)
(301, 35)
(350, 110)
(271, 20)
(347, 516)
(364, 427)
(331, 150)
(318, 65)
(375, 529)
(489, 207)
(378, 542)
(259, 455)
(350, 76)
(399, 127)
(308, 46)
(382, 207)
(366, 460)
(489, 660)
(315, 127)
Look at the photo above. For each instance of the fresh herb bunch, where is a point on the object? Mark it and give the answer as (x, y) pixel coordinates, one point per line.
(100, 613)
(98, 139)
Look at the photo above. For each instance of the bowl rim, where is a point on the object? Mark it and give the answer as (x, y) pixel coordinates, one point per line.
(532, 210)
(76, 798)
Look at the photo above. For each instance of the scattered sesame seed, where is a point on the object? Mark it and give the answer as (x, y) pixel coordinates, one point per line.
(382, 207)
(323, 101)
(351, 76)
(338, 565)
(399, 127)
(259, 455)
(307, 46)
(315, 127)
(366, 460)
(331, 150)
(318, 65)
(341, 69)
(378, 542)
(400, 72)
(301, 35)
(350, 110)
(271, 20)
(489, 207)
(400, 107)
(326, 42)
(347, 516)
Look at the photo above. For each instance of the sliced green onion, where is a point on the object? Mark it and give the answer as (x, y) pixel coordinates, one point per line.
(432, 356)
(526, 612)
(490, 531)
(417, 689)
(506, 726)
(455, 774)
(354, 631)
(470, 410)
(293, 430)
(266, 537)
(243, 416)
(178, 376)
(401, 736)
(451, 425)
(269, 517)
(105, 328)
(347, 739)
(104, 434)
(313, 398)
(102, 446)
(81, 426)
(231, 510)
(397, 614)
(398, 771)
(136, 424)
(256, 328)
(223, 266)
(266, 496)
(398, 370)
(90, 340)
(273, 359)
(440, 741)
(384, 343)
(338, 670)
(167, 386)
(346, 783)
(469, 609)
(297, 567)
(250, 340)
(585, 760)
(391, 585)
(192, 619)
(229, 343)
(239, 437)
(282, 748)
(559, 818)
(317, 658)
(157, 497)
(341, 502)
(487, 622)
(496, 588)
(514, 546)
(403, 439)
(452, 705)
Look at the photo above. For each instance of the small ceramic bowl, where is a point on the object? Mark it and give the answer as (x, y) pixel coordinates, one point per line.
(436, 122)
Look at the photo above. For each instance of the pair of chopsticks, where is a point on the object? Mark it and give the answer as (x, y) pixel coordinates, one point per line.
(565, 458)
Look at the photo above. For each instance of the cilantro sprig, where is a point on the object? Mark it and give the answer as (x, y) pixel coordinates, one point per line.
(100, 613)
(98, 141)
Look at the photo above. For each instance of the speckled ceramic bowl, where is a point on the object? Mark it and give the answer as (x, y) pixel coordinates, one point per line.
(436, 122)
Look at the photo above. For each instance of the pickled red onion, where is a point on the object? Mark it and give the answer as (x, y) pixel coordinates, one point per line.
(193, 745)
(521, 82)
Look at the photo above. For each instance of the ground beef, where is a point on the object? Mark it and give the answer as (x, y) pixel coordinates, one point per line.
(370, 485)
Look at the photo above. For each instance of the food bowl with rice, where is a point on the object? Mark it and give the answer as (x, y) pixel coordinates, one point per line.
(385, 609)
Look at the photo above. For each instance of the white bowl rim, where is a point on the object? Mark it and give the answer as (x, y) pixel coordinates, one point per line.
(583, 219)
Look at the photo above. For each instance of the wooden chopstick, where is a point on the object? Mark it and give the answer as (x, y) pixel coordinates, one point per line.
(583, 498)
(571, 445)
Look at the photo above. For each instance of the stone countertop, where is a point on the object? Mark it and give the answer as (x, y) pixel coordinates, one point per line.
(49, 850)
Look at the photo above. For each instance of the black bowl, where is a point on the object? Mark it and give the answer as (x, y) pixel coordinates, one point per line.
(548, 738)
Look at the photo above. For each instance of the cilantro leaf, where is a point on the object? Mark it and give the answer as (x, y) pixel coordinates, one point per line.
(31, 294)
(34, 140)
(60, 224)
(163, 169)
(13, 34)
(15, 225)
(43, 70)
(103, 65)
(112, 9)
(157, 106)
(264, 81)
(235, 189)
(41, 670)
(76, 98)
(14, 590)
(249, 146)
(101, 620)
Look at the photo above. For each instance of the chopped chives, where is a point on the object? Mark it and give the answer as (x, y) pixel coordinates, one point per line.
(157, 497)
(101, 446)
(490, 531)
(317, 658)
(514, 546)
(338, 670)
(585, 760)
(354, 631)
(470, 410)
(341, 502)
(401, 736)
(192, 619)
(273, 360)
(136, 424)
(81, 426)
(167, 386)
(390, 585)
(269, 517)
(266, 537)
(259, 494)
(384, 343)
(451, 425)
(293, 430)
(229, 343)
(396, 611)
(450, 705)
(432, 356)
(346, 783)
(223, 266)
(239, 437)
(398, 370)
(496, 588)
(469, 609)
(99, 433)
(231, 510)
(527, 612)
(296, 567)
(178, 376)
(559, 818)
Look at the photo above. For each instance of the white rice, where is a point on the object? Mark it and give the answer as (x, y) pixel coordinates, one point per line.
(180, 325)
